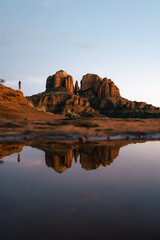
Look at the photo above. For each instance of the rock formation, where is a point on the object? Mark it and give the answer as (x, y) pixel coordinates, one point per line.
(94, 85)
(104, 96)
(61, 103)
(76, 88)
(59, 97)
(96, 95)
(60, 79)
(13, 105)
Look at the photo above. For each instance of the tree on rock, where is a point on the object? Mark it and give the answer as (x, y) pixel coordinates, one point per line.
(2, 81)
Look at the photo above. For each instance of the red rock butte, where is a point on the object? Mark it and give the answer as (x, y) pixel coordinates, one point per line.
(98, 86)
(60, 79)
(95, 96)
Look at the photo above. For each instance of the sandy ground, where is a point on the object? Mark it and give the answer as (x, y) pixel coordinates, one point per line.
(82, 126)
(19, 119)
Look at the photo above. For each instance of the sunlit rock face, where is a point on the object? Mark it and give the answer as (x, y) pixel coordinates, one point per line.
(60, 79)
(105, 97)
(61, 102)
(59, 97)
(76, 88)
(95, 96)
(98, 86)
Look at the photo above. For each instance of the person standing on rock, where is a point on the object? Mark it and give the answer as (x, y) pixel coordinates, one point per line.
(19, 85)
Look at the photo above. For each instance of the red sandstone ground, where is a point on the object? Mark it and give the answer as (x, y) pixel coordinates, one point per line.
(14, 111)
(94, 127)
(14, 106)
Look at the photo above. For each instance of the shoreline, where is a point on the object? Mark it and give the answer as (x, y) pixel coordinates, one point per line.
(81, 129)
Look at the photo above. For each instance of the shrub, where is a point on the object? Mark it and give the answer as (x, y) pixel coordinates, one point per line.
(2, 81)
(72, 115)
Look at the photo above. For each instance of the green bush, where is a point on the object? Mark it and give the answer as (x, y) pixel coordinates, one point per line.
(72, 115)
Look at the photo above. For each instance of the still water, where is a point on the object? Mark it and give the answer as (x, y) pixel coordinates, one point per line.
(87, 191)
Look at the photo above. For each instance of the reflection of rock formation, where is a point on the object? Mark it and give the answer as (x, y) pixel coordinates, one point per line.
(94, 157)
(91, 157)
(60, 162)
(6, 149)
(59, 156)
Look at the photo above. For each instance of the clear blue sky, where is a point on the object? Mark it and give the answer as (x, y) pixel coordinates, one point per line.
(119, 39)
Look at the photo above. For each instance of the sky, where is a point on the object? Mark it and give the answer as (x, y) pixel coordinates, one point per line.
(118, 39)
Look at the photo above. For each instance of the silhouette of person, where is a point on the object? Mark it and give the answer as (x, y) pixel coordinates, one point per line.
(19, 85)
(19, 157)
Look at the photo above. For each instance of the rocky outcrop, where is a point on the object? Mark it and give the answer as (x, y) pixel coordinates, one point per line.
(94, 85)
(96, 95)
(61, 102)
(13, 105)
(10, 95)
(60, 79)
(121, 107)
(104, 95)
(76, 88)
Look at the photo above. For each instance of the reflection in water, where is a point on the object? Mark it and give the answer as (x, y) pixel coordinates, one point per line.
(19, 157)
(8, 149)
(59, 156)
(94, 157)
(91, 157)
(117, 202)
(59, 163)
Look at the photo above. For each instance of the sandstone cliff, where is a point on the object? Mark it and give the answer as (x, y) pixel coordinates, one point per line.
(61, 102)
(94, 85)
(96, 96)
(59, 97)
(60, 79)
(76, 88)
(104, 96)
